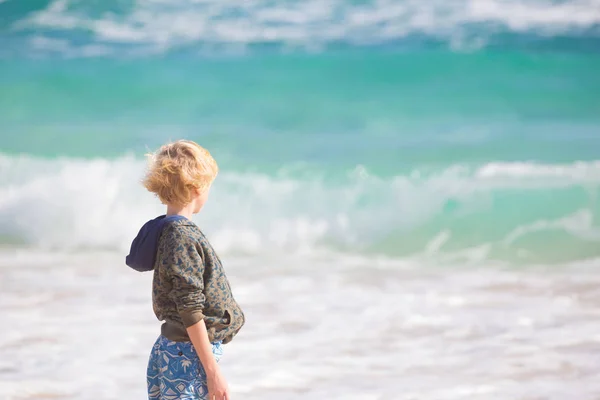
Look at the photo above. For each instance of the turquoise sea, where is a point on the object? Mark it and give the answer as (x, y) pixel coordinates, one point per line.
(495, 148)
(430, 133)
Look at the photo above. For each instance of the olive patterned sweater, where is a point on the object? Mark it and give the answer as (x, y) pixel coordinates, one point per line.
(190, 285)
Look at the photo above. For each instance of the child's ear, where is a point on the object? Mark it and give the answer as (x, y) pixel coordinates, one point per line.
(199, 192)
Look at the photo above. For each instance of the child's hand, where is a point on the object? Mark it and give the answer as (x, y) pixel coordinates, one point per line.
(217, 386)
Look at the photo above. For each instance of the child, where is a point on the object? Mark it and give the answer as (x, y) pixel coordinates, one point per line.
(190, 291)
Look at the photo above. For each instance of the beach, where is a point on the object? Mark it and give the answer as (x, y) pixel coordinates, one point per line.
(407, 203)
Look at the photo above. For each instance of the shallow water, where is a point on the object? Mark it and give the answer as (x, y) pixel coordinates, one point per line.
(80, 326)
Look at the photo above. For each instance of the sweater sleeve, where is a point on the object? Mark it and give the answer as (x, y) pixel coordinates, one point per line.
(184, 267)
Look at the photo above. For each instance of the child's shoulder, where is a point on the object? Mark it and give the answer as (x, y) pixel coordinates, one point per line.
(183, 230)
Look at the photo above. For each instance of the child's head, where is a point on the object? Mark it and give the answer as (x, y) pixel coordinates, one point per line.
(181, 173)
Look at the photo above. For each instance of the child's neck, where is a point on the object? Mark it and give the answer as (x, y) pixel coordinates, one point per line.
(186, 211)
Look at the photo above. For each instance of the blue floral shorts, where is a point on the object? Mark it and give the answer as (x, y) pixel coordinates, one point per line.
(175, 371)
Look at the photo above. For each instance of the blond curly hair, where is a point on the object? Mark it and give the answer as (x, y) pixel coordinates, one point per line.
(177, 169)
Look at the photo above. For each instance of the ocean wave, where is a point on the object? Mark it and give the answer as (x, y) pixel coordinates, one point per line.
(71, 204)
(578, 171)
(79, 28)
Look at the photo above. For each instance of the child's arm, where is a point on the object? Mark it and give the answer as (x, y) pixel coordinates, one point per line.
(184, 267)
(217, 386)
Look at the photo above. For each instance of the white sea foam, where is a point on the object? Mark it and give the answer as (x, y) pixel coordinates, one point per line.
(578, 171)
(100, 203)
(160, 25)
(579, 224)
(314, 329)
